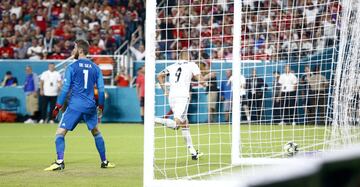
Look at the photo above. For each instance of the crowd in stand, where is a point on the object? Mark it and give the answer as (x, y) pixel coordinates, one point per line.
(270, 30)
(46, 29)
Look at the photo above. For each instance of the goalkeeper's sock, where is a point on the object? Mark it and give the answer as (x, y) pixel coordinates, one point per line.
(100, 146)
(188, 140)
(60, 146)
(167, 122)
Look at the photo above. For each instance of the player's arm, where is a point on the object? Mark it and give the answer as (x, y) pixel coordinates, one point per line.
(101, 90)
(161, 78)
(64, 91)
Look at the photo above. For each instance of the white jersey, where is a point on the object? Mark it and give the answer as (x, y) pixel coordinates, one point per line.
(51, 80)
(242, 84)
(180, 75)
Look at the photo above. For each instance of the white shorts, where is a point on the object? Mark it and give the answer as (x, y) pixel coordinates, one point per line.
(179, 106)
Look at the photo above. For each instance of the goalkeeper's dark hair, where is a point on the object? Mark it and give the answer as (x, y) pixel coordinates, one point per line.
(84, 45)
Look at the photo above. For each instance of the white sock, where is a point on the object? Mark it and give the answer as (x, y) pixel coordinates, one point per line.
(188, 141)
(167, 122)
(59, 161)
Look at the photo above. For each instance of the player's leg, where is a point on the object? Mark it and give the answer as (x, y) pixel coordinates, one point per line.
(168, 114)
(68, 122)
(185, 131)
(60, 149)
(91, 120)
(180, 115)
(168, 122)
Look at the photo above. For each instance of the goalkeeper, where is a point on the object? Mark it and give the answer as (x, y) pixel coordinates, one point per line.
(81, 77)
(180, 75)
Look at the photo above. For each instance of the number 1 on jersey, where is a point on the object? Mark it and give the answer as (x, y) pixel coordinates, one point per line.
(86, 76)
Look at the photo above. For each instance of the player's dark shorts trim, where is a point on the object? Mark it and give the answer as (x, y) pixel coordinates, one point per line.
(142, 101)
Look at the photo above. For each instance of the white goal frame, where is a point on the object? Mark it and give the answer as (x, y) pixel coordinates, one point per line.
(149, 134)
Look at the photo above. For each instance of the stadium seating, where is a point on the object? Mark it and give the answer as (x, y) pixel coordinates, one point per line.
(51, 25)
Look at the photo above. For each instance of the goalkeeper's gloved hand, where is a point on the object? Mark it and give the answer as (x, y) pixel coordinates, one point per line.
(56, 110)
(100, 110)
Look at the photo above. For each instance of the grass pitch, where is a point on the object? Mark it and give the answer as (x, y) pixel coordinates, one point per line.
(25, 150)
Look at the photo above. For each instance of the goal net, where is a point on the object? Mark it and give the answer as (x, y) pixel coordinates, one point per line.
(278, 73)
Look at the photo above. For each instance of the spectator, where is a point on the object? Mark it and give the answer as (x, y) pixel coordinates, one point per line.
(140, 89)
(94, 48)
(35, 51)
(288, 82)
(6, 52)
(48, 41)
(226, 94)
(21, 50)
(57, 54)
(305, 88)
(310, 13)
(50, 85)
(139, 54)
(32, 101)
(329, 26)
(318, 96)
(243, 99)
(276, 97)
(9, 80)
(122, 79)
(212, 92)
(256, 88)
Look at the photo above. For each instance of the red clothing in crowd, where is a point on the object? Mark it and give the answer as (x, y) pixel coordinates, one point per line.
(95, 50)
(57, 56)
(41, 23)
(118, 29)
(122, 81)
(7, 52)
(140, 81)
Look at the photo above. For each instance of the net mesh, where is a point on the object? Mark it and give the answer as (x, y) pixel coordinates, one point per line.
(299, 80)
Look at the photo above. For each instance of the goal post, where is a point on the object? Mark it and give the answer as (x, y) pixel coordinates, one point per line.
(278, 73)
(236, 65)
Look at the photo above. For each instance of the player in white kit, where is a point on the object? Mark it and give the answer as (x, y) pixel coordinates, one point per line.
(180, 76)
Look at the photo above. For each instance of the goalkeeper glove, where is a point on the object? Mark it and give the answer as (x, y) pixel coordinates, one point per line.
(56, 110)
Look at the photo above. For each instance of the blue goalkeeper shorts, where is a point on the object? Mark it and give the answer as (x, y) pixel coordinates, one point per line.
(70, 119)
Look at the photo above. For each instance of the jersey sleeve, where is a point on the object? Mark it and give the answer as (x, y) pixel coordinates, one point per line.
(100, 87)
(66, 87)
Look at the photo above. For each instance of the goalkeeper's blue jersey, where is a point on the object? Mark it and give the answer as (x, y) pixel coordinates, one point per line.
(80, 79)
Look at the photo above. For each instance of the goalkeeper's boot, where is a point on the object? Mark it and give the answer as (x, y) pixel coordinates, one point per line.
(56, 166)
(107, 164)
(197, 155)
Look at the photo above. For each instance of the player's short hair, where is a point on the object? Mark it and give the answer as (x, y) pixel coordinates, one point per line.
(84, 45)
